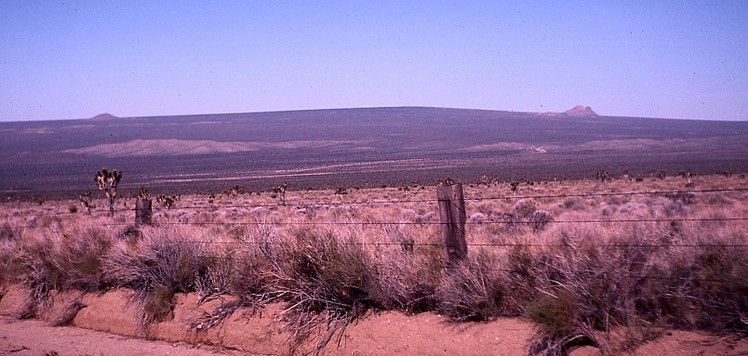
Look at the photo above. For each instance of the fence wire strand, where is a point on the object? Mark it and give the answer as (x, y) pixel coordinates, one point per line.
(524, 222)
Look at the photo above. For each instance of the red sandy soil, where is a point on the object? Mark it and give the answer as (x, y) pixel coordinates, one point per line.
(107, 326)
(34, 337)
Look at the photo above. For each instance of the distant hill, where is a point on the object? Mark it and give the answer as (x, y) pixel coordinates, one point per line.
(355, 147)
(104, 117)
(580, 111)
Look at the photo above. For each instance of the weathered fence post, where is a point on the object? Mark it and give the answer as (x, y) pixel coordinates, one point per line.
(452, 216)
(143, 211)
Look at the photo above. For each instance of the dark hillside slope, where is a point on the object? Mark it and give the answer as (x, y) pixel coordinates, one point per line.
(344, 147)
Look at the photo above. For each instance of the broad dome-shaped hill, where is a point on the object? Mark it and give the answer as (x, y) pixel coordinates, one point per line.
(104, 117)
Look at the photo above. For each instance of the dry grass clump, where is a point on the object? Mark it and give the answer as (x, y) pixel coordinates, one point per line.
(244, 269)
(164, 261)
(408, 280)
(327, 279)
(7, 232)
(475, 290)
(60, 258)
(253, 265)
(8, 245)
(559, 329)
(711, 290)
(597, 279)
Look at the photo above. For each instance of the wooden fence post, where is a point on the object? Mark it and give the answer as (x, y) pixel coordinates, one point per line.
(452, 217)
(143, 211)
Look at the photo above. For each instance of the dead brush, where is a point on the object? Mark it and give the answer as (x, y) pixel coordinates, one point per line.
(719, 284)
(256, 264)
(8, 232)
(59, 261)
(214, 284)
(588, 282)
(596, 280)
(8, 264)
(248, 273)
(78, 255)
(474, 290)
(559, 329)
(209, 320)
(216, 278)
(328, 281)
(408, 281)
(35, 270)
(164, 262)
(68, 313)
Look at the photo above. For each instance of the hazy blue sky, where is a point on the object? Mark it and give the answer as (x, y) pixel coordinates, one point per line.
(75, 59)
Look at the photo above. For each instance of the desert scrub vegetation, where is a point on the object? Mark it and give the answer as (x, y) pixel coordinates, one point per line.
(164, 261)
(55, 260)
(580, 263)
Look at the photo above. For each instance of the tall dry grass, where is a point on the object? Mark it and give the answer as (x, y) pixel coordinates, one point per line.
(544, 253)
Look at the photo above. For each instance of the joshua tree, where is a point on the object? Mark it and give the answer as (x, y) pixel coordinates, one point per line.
(514, 185)
(107, 181)
(446, 182)
(281, 191)
(85, 200)
(143, 193)
(341, 191)
(603, 176)
(487, 181)
(234, 191)
(167, 201)
(685, 175)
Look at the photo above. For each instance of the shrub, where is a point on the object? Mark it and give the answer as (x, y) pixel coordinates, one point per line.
(245, 273)
(252, 267)
(474, 289)
(79, 258)
(574, 203)
(59, 261)
(554, 314)
(7, 232)
(165, 261)
(7, 261)
(539, 219)
(328, 280)
(513, 223)
(37, 272)
(408, 278)
(721, 288)
(158, 305)
(524, 207)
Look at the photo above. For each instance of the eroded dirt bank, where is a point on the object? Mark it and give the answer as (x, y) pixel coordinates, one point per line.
(377, 334)
(381, 333)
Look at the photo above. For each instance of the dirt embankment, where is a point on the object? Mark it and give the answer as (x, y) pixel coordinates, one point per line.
(384, 333)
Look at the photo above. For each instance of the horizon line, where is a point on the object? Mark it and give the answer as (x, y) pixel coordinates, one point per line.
(539, 113)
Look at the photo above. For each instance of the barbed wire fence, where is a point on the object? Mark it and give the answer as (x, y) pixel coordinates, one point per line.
(300, 204)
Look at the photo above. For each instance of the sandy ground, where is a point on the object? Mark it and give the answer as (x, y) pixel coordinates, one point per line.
(107, 326)
(34, 337)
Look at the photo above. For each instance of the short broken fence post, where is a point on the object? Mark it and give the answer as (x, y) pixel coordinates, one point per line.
(143, 211)
(452, 217)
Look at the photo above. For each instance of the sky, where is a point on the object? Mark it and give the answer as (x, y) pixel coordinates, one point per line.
(76, 59)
